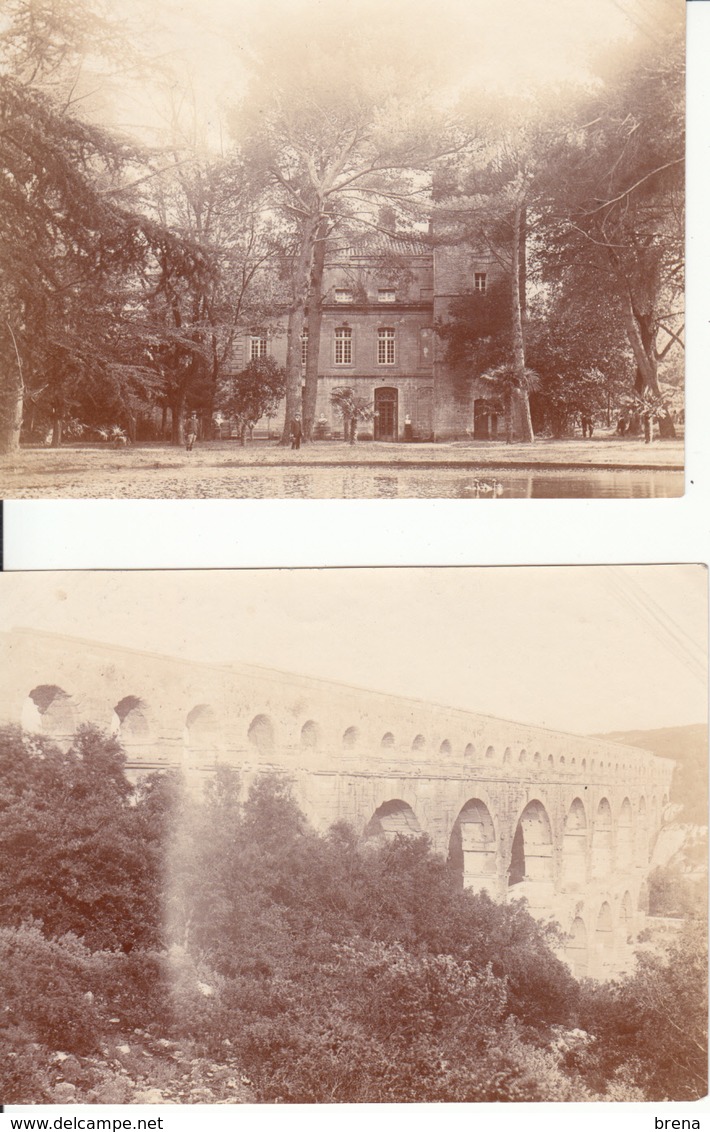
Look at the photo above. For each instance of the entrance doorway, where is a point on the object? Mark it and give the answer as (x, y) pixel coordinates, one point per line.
(485, 419)
(386, 425)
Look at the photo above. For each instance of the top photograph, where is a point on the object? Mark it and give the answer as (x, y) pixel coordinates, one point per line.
(361, 249)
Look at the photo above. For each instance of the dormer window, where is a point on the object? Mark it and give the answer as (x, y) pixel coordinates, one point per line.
(386, 295)
(343, 295)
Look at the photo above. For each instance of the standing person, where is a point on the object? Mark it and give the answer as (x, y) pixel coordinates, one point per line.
(296, 432)
(191, 434)
(648, 427)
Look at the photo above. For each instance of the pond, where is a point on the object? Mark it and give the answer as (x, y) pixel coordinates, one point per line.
(435, 483)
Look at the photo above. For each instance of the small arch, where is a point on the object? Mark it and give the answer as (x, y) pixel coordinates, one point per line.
(261, 734)
(531, 851)
(562, 760)
(574, 846)
(490, 753)
(584, 764)
(470, 751)
(551, 761)
(523, 756)
(132, 715)
(418, 743)
(387, 740)
(602, 840)
(392, 819)
(311, 735)
(591, 766)
(472, 846)
(601, 766)
(49, 709)
(577, 949)
(537, 758)
(351, 738)
(574, 762)
(445, 748)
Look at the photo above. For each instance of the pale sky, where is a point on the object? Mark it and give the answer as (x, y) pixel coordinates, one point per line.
(518, 45)
(582, 649)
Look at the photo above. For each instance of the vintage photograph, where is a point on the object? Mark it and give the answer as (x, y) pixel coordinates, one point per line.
(354, 250)
(368, 835)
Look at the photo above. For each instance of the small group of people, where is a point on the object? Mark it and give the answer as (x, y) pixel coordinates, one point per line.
(587, 426)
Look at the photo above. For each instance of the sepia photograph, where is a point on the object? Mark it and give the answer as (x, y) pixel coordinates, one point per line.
(345, 836)
(357, 250)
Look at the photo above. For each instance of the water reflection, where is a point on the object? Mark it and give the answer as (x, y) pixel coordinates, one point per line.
(440, 483)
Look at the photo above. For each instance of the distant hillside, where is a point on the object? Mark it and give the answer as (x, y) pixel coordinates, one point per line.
(688, 747)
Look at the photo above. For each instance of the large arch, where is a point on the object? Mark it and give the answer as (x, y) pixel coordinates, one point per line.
(472, 846)
(602, 834)
(625, 836)
(49, 709)
(392, 819)
(531, 867)
(642, 833)
(577, 949)
(626, 920)
(574, 847)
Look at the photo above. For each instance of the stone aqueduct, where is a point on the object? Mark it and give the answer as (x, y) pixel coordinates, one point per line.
(566, 821)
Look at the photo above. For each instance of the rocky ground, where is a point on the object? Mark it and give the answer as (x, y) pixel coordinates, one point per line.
(141, 1069)
(223, 469)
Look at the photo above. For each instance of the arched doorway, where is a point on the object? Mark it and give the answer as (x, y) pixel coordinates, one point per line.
(391, 820)
(386, 414)
(602, 840)
(531, 868)
(574, 847)
(577, 949)
(472, 846)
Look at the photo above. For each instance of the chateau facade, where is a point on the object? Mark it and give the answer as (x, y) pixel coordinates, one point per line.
(383, 297)
(566, 821)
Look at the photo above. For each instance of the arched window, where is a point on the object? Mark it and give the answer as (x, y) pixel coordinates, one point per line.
(49, 708)
(445, 748)
(602, 840)
(531, 855)
(470, 751)
(418, 743)
(625, 839)
(387, 739)
(132, 715)
(202, 731)
(574, 847)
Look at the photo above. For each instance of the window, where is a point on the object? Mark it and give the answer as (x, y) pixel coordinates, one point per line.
(304, 346)
(343, 295)
(258, 347)
(479, 282)
(385, 295)
(385, 346)
(343, 346)
(425, 353)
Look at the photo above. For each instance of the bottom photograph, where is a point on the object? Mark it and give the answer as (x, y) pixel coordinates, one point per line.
(353, 835)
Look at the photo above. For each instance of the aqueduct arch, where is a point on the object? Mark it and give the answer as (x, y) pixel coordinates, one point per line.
(515, 809)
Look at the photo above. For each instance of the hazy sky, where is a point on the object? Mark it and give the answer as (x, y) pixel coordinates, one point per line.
(504, 46)
(582, 649)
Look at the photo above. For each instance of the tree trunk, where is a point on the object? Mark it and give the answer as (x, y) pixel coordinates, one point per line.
(164, 423)
(522, 403)
(177, 413)
(11, 417)
(57, 428)
(296, 320)
(243, 435)
(313, 325)
(640, 332)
